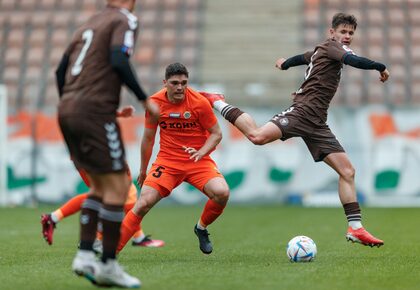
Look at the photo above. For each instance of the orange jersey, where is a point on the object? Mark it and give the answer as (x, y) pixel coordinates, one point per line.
(183, 124)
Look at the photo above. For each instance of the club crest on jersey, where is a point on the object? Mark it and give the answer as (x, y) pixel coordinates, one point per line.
(187, 115)
(174, 115)
(284, 122)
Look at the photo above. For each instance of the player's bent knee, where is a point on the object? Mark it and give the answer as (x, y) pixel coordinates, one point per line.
(348, 173)
(221, 196)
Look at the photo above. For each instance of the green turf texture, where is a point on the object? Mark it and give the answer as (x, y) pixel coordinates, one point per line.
(249, 251)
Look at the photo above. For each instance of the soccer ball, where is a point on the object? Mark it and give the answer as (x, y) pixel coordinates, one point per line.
(301, 249)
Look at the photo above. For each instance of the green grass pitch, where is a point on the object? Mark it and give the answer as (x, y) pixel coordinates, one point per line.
(249, 251)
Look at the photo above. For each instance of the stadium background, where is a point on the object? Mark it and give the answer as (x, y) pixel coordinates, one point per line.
(230, 47)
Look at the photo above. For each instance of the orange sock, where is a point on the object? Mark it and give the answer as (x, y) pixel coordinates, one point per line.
(70, 207)
(129, 226)
(212, 210)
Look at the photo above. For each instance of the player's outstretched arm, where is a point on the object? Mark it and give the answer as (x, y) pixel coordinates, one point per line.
(284, 64)
(121, 64)
(367, 64)
(146, 150)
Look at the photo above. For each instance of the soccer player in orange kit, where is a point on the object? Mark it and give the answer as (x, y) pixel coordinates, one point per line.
(189, 132)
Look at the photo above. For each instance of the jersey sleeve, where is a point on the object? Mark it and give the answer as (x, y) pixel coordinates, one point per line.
(338, 51)
(124, 34)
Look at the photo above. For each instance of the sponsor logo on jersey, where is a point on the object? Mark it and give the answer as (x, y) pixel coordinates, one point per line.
(187, 115)
(174, 115)
(178, 125)
(284, 122)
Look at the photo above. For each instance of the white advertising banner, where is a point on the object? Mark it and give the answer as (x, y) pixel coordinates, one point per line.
(383, 145)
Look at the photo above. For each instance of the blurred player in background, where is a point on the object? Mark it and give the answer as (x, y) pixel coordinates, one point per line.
(307, 117)
(49, 221)
(89, 79)
(189, 132)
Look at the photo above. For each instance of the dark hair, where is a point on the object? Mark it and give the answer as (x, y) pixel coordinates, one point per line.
(342, 18)
(175, 69)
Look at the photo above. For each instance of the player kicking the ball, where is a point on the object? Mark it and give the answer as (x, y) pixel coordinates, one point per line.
(307, 117)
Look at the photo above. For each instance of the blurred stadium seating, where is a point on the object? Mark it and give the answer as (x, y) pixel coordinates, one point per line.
(35, 33)
(224, 44)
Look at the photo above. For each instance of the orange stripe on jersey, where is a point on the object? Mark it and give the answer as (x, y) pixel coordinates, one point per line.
(183, 124)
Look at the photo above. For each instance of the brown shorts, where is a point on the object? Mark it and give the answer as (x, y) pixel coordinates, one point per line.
(94, 143)
(318, 137)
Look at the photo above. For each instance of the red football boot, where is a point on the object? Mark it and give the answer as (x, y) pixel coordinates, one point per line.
(213, 97)
(149, 243)
(47, 228)
(363, 237)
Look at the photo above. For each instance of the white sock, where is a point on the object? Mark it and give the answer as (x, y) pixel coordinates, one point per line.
(355, 225)
(54, 218)
(219, 105)
(200, 227)
(139, 238)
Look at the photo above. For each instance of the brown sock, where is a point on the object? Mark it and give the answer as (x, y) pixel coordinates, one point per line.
(111, 217)
(231, 113)
(89, 222)
(352, 211)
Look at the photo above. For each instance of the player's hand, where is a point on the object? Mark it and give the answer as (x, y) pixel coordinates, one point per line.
(384, 75)
(194, 153)
(141, 178)
(153, 109)
(126, 112)
(279, 62)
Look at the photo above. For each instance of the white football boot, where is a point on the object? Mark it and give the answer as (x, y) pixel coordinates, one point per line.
(97, 246)
(112, 274)
(86, 265)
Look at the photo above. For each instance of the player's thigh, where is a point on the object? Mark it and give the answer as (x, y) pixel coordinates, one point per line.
(341, 163)
(113, 187)
(322, 142)
(269, 132)
(206, 177)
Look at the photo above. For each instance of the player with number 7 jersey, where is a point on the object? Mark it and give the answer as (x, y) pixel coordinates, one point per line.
(89, 78)
(307, 116)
